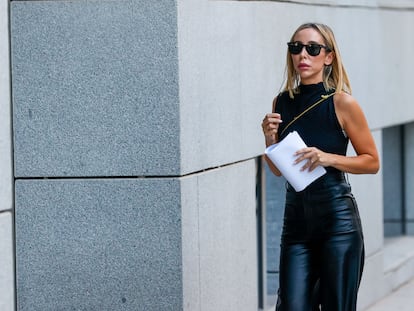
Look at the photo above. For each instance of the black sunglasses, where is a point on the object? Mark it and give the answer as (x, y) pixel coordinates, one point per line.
(313, 49)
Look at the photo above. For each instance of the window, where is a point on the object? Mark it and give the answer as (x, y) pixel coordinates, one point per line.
(398, 180)
(270, 201)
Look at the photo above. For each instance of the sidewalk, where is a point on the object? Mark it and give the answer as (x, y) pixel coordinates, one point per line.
(400, 300)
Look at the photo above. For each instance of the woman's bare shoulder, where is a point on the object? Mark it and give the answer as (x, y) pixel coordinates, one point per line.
(346, 104)
(348, 110)
(344, 99)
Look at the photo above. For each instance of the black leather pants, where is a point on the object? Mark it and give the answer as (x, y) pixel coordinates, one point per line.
(322, 248)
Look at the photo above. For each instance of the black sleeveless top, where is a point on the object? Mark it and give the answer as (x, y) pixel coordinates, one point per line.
(319, 127)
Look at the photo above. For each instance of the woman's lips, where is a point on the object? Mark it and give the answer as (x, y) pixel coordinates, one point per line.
(303, 66)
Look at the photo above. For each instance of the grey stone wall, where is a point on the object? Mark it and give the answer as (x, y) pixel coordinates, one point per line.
(118, 223)
(6, 169)
(95, 88)
(6, 176)
(136, 125)
(219, 239)
(100, 244)
(96, 113)
(6, 262)
(138, 244)
(5, 115)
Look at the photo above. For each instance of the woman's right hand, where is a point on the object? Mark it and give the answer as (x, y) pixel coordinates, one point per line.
(270, 126)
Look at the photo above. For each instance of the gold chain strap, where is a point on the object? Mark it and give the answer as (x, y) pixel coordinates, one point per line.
(306, 110)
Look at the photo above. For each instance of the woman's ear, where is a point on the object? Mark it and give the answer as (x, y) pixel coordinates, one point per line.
(329, 58)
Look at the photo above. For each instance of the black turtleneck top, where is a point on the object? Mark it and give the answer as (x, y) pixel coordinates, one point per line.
(319, 127)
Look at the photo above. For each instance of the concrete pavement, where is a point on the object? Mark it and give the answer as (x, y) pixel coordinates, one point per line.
(400, 300)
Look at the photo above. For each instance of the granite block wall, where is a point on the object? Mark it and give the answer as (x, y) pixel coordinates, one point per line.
(6, 176)
(219, 239)
(105, 244)
(6, 169)
(224, 88)
(6, 262)
(95, 88)
(99, 178)
(368, 191)
(227, 238)
(95, 94)
(129, 111)
(100, 244)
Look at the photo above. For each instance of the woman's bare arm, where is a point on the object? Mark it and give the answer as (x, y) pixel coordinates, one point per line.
(353, 121)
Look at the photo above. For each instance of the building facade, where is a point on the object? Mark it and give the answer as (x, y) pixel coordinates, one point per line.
(130, 149)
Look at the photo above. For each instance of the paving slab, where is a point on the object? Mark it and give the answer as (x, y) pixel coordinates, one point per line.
(400, 300)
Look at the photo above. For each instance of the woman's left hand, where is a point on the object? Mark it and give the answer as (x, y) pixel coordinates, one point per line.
(314, 157)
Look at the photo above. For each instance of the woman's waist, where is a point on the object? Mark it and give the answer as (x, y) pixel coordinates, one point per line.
(333, 181)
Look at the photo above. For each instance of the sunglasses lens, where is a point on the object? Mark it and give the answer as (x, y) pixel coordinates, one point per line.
(313, 49)
(295, 48)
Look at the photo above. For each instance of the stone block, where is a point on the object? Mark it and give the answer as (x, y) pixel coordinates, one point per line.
(227, 238)
(221, 100)
(138, 244)
(6, 263)
(98, 244)
(190, 243)
(95, 88)
(6, 179)
(368, 191)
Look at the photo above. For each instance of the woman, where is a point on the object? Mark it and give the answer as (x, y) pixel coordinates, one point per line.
(322, 241)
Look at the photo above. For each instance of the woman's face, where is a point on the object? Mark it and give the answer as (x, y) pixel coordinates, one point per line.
(310, 68)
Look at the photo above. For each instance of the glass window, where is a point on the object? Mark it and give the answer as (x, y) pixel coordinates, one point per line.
(398, 180)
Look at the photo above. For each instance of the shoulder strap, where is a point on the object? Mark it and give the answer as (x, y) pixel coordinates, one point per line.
(306, 110)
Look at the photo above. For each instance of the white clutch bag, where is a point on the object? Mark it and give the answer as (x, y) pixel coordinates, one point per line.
(282, 155)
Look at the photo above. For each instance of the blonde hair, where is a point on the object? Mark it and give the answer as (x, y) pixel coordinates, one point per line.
(334, 75)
